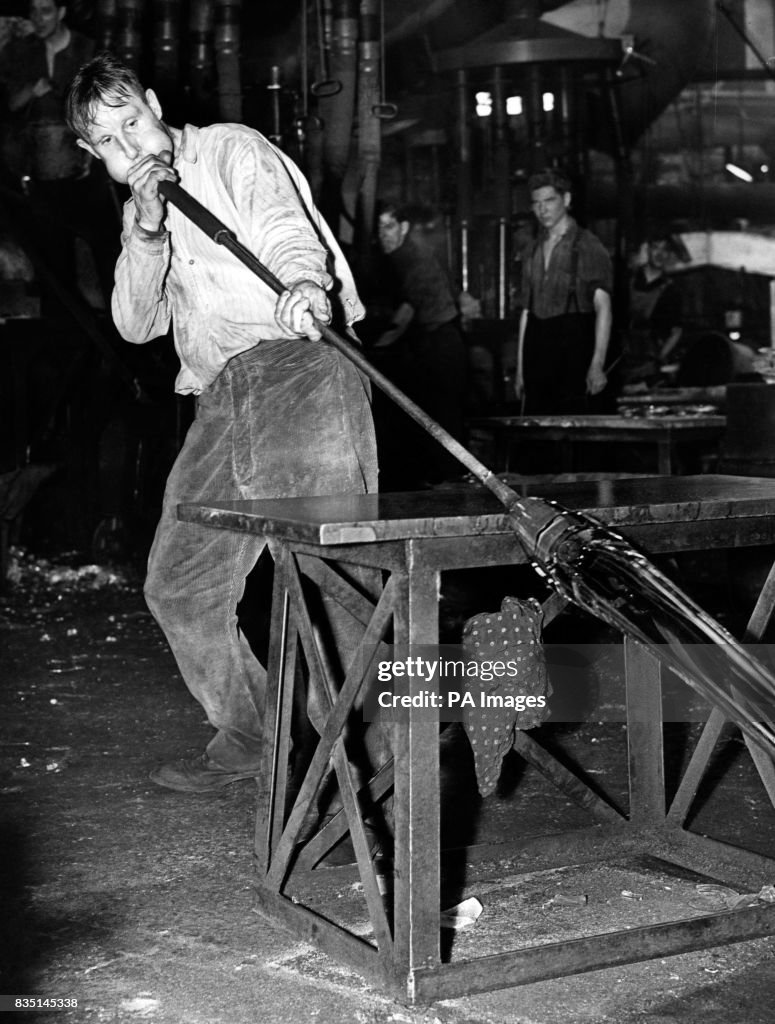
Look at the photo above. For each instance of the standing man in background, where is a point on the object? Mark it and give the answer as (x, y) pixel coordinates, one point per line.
(565, 324)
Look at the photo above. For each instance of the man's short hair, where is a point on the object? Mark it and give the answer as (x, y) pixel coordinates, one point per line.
(660, 235)
(104, 79)
(549, 178)
(670, 240)
(412, 213)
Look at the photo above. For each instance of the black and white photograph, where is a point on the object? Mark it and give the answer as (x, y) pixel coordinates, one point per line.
(387, 511)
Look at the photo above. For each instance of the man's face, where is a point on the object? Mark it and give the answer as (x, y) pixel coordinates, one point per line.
(46, 17)
(122, 134)
(391, 232)
(549, 205)
(658, 254)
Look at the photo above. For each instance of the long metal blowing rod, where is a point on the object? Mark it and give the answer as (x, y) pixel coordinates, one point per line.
(584, 561)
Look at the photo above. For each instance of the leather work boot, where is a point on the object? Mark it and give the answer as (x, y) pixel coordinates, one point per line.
(198, 775)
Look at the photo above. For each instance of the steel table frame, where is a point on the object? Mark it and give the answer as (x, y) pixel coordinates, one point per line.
(405, 956)
(663, 431)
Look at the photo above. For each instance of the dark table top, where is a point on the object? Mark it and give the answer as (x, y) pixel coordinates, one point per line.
(473, 512)
(610, 425)
(714, 395)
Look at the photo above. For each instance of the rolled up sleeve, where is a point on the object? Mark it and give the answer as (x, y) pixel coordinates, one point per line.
(595, 268)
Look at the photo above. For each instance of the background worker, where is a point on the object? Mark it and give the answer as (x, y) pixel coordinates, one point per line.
(42, 159)
(565, 324)
(654, 328)
(426, 316)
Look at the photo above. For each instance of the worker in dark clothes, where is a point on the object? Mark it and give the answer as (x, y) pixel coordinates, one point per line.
(654, 329)
(565, 325)
(427, 316)
(36, 71)
(69, 197)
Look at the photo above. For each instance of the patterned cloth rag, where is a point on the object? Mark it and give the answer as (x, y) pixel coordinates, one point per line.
(511, 635)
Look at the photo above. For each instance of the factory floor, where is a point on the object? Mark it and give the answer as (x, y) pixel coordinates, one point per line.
(138, 902)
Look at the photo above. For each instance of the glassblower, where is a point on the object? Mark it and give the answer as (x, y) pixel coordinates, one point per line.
(583, 560)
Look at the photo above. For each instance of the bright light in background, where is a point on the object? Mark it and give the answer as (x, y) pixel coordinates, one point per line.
(765, 168)
(548, 99)
(739, 172)
(483, 104)
(514, 105)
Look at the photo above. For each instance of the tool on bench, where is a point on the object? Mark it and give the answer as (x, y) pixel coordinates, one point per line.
(583, 560)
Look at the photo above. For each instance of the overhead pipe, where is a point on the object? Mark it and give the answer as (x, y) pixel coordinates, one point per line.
(227, 58)
(105, 24)
(324, 85)
(503, 284)
(129, 31)
(677, 36)
(501, 148)
(502, 184)
(384, 110)
(536, 118)
(201, 25)
(275, 88)
(465, 190)
(565, 106)
(626, 213)
(369, 127)
(338, 111)
(465, 187)
(464, 256)
(166, 42)
(309, 126)
(306, 124)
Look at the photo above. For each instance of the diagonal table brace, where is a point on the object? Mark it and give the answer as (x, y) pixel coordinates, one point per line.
(331, 745)
(717, 721)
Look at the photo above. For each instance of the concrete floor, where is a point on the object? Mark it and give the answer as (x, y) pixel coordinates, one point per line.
(138, 901)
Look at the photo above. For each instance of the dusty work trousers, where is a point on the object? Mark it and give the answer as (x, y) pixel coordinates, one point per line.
(287, 418)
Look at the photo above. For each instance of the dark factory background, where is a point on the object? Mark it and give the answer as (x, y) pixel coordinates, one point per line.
(660, 111)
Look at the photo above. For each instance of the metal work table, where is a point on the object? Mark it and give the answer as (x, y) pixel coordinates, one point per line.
(413, 538)
(664, 431)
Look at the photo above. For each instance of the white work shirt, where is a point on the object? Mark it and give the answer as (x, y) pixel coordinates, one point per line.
(218, 307)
